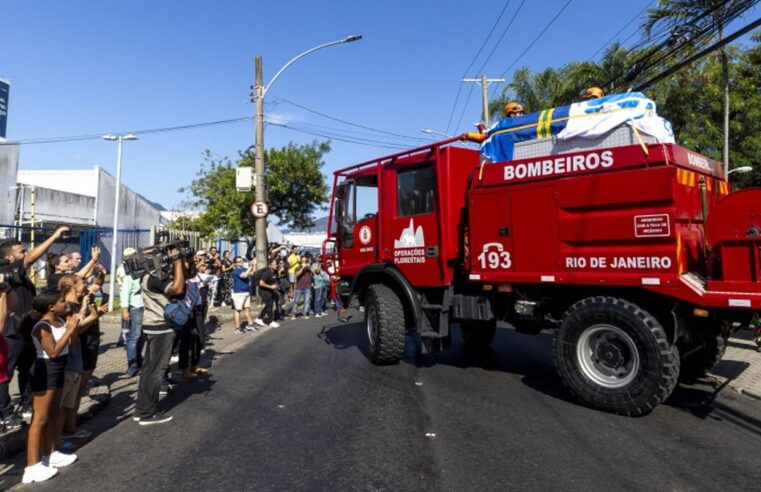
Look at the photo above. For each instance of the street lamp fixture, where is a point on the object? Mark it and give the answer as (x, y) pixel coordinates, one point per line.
(741, 170)
(434, 132)
(119, 139)
(260, 90)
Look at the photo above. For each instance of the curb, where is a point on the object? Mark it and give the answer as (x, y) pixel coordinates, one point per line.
(14, 441)
(751, 393)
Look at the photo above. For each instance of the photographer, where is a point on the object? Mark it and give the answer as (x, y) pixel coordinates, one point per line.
(303, 275)
(158, 290)
(15, 263)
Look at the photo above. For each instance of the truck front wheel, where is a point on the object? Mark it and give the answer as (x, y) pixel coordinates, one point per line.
(695, 365)
(385, 323)
(613, 355)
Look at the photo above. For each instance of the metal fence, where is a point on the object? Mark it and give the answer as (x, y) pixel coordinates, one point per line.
(81, 240)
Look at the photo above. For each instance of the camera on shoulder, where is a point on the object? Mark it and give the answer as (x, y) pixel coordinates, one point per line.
(158, 260)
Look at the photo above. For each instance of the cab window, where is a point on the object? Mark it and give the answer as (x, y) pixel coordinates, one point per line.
(415, 191)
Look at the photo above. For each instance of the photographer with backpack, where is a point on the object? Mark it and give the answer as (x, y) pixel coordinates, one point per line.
(158, 291)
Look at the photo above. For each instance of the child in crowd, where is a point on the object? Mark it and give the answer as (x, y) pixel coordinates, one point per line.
(51, 336)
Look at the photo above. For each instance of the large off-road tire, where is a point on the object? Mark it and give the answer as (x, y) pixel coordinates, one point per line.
(478, 335)
(615, 356)
(697, 364)
(385, 325)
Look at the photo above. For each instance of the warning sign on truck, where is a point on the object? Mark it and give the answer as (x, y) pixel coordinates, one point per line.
(656, 225)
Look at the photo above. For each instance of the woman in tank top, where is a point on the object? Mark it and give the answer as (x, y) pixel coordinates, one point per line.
(50, 336)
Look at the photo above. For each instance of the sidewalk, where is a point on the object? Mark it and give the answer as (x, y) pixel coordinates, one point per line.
(741, 365)
(112, 382)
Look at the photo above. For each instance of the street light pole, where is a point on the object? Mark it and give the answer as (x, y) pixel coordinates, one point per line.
(260, 91)
(119, 139)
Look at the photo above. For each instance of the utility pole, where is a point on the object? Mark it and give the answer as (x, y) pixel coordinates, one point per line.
(260, 228)
(484, 81)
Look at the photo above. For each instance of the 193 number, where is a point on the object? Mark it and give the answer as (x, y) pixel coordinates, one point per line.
(493, 259)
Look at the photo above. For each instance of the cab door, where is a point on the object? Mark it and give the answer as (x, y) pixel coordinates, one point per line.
(357, 223)
(411, 232)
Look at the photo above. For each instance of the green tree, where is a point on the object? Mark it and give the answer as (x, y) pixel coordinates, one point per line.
(675, 14)
(296, 189)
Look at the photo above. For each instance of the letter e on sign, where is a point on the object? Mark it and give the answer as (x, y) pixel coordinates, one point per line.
(259, 209)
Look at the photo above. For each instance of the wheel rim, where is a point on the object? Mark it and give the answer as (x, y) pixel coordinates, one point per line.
(372, 326)
(608, 356)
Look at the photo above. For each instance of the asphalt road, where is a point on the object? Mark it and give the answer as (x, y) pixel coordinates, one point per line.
(301, 408)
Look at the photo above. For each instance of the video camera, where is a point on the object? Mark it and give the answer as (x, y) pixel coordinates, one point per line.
(158, 260)
(11, 276)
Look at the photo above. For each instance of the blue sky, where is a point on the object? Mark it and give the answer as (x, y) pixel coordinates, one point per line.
(93, 67)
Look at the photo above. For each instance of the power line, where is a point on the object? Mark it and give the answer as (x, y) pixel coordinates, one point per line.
(459, 86)
(96, 136)
(608, 42)
(339, 138)
(345, 122)
(483, 65)
(543, 31)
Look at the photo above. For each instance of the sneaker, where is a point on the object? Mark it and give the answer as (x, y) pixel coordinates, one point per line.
(58, 459)
(13, 422)
(251, 328)
(174, 359)
(292, 318)
(156, 418)
(80, 434)
(38, 473)
(306, 317)
(274, 325)
(240, 330)
(165, 390)
(259, 322)
(136, 418)
(133, 371)
(26, 413)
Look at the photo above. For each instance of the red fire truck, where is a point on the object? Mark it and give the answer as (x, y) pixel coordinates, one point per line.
(637, 257)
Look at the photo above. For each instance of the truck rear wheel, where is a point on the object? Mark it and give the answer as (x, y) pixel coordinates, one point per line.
(385, 323)
(478, 335)
(697, 364)
(613, 355)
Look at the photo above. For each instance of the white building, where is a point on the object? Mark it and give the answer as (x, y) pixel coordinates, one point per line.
(84, 198)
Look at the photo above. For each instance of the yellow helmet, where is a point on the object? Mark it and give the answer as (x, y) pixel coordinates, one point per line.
(513, 108)
(591, 93)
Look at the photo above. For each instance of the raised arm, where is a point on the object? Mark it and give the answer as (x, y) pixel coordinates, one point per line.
(40, 250)
(86, 270)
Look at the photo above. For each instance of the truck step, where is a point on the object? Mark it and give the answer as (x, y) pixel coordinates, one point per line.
(432, 334)
(432, 307)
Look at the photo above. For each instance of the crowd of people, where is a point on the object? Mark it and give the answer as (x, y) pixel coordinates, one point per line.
(291, 283)
(51, 339)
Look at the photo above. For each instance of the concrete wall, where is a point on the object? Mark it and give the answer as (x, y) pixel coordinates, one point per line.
(55, 207)
(135, 212)
(8, 169)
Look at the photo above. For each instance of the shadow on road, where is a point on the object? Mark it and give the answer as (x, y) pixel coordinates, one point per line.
(530, 356)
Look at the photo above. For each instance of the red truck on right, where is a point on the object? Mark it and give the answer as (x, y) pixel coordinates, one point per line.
(636, 255)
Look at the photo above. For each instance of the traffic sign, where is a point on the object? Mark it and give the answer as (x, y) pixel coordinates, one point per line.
(259, 209)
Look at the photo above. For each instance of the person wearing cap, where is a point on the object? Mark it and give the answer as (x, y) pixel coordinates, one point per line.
(513, 109)
(591, 93)
(131, 301)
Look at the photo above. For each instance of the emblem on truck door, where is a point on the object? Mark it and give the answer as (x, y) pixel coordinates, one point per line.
(365, 235)
(494, 256)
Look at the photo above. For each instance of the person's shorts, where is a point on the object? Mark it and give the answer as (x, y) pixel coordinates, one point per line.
(292, 277)
(241, 300)
(47, 374)
(70, 389)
